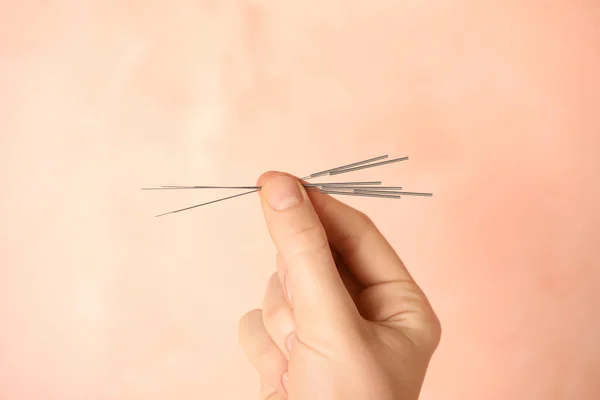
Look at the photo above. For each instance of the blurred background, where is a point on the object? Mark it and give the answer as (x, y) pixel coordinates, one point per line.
(496, 103)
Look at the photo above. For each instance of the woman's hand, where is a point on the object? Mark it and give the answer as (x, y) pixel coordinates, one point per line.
(342, 318)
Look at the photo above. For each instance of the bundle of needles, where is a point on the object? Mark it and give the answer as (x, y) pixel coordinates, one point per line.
(363, 189)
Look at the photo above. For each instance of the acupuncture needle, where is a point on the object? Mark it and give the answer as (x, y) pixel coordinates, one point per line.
(370, 188)
(393, 192)
(333, 171)
(384, 189)
(328, 171)
(214, 201)
(207, 203)
(211, 202)
(334, 184)
(343, 171)
(337, 169)
(379, 190)
(363, 194)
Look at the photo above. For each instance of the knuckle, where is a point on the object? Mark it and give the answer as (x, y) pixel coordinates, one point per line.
(435, 332)
(249, 332)
(307, 239)
(273, 314)
(426, 320)
(365, 220)
(246, 320)
(273, 282)
(430, 331)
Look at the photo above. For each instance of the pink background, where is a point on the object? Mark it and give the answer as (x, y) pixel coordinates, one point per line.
(496, 103)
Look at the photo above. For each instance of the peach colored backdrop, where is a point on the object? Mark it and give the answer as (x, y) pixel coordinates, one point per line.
(496, 102)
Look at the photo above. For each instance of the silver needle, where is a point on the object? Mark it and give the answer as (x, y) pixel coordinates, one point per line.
(343, 171)
(323, 187)
(200, 187)
(210, 202)
(363, 194)
(396, 192)
(335, 184)
(327, 171)
(370, 189)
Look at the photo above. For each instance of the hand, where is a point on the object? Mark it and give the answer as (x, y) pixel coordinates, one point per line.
(342, 318)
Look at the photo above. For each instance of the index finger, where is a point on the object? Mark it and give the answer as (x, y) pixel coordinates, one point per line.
(367, 253)
(390, 293)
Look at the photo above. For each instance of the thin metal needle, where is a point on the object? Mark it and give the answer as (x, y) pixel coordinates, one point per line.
(327, 171)
(200, 187)
(343, 171)
(395, 192)
(334, 171)
(334, 184)
(337, 184)
(210, 202)
(363, 194)
(316, 187)
(370, 189)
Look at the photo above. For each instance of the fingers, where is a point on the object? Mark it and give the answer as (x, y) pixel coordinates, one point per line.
(277, 315)
(317, 293)
(402, 305)
(390, 293)
(268, 393)
(262, 352)
(366, 252)
(352, 285)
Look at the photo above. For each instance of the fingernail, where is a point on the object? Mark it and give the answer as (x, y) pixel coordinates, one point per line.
(283, 192)
(289, 343)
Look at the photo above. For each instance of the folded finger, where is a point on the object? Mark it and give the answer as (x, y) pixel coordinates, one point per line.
(268, 393)
(262, 352)
(366, 252)
(277, 315)
(389, 292)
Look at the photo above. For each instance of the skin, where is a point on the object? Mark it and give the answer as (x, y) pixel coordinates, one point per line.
(497, 103)
(357, 326)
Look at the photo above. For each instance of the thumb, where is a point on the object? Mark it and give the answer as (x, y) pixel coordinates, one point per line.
(310, 277)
